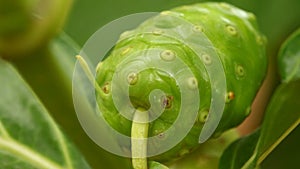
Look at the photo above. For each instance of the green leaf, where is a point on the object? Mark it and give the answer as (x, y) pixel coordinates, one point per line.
(29, 137)
(282, 114)
(49, 73)
(239, 152)
(286, 155)
(289, 58)
(281, 118)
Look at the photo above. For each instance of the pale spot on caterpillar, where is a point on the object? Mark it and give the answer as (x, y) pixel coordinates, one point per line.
(231, 30)
(239, 70)
(167, 101)
(203, 116)
(106, 88)
(125, 51)
(132, 78)
(206, 59)
(161, 135)
(192, 83)
(168, 55)
(198, 28)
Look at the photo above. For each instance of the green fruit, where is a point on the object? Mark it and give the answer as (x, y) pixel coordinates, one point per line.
(236, 41)
(27, 25)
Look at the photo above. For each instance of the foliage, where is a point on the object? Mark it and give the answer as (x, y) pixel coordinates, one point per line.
(38, 124)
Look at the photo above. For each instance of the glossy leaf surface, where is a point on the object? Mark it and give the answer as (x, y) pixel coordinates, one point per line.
(29, 137)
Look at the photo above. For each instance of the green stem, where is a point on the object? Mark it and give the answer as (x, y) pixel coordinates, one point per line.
(276, 143)
(26, 154)
(88, 73)
(139, 134)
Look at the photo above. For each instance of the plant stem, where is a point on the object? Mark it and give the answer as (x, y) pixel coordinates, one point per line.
(139, 134)
(88, 72)
(35, 159)
(275, 144)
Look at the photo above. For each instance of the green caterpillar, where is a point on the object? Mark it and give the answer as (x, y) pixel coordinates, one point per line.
(218, 31)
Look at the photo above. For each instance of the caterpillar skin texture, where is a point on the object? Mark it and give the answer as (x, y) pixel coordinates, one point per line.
(236, 40)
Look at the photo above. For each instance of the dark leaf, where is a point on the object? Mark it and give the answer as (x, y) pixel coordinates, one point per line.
(239, 152)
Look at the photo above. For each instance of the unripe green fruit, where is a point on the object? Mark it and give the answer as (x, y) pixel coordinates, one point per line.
(27, 25)
(238, 44)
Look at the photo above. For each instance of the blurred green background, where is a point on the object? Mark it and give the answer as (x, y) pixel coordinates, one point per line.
(276, 18)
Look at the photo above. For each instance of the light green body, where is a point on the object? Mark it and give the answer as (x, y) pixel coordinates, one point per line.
(238, 44)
